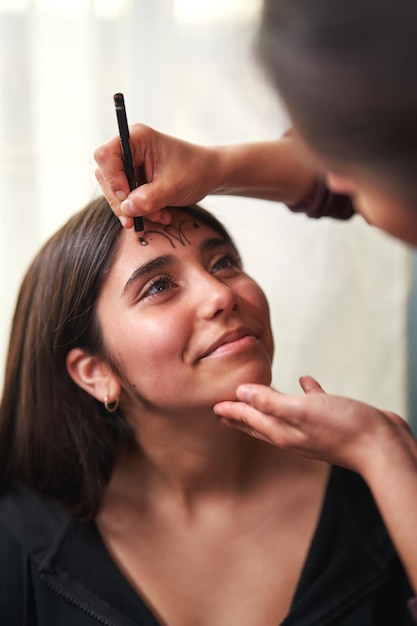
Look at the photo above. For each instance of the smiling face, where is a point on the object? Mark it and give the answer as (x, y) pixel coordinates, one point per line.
(182, 322)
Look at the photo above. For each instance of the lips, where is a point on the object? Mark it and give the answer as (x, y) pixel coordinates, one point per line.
(239, 338)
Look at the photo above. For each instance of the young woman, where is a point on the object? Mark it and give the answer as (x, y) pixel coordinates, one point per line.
(346, 71)
(123, 499)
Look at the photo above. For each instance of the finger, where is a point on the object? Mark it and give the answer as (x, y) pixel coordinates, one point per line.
(245, 418)
(162, 217)
(111, 173)
(246, 429)
(310, 385)
(124, 210)
(271, 402)
(141, 202)
(151, 197)
(138, 204)
(397, 420)
(235, 410)
(276, 431)
(113, 200)
(135, 205)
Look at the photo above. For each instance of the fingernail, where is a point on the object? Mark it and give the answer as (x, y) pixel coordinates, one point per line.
(121, 195)
(128, 207)
(123, 220)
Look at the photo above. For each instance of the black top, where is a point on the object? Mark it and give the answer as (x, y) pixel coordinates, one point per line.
(55, 570)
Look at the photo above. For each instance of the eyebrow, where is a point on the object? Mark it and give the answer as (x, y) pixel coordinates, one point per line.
(155, 264)
(165, 260)
(207, 245)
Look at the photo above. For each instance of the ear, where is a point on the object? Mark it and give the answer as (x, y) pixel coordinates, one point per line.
(93, 374)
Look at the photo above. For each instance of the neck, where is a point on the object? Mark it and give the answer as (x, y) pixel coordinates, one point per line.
(190, 459)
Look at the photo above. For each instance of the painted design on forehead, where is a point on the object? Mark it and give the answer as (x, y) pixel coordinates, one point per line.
(172, 234)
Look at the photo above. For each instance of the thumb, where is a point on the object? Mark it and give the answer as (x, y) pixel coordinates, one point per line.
(310, 385)
(145, 199)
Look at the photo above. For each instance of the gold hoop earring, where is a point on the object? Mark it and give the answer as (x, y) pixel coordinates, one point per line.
(111, 407)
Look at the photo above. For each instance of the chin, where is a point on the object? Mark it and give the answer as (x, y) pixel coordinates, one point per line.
(258, 376)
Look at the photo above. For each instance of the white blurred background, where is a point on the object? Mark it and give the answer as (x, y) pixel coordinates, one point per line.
(338, 291)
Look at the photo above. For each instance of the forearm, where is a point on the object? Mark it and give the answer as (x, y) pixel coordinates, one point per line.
(391, 474)
(274, 170)
(179, 173)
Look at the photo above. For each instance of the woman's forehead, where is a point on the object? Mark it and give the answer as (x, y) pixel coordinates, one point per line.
(180, 232)
(185, 232)
(185, 229)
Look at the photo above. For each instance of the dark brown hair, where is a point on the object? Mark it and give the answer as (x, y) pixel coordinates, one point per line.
(346, 71)
(55, 437)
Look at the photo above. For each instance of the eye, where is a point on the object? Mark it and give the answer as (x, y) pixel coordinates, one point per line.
(227, 262)
(158, 285)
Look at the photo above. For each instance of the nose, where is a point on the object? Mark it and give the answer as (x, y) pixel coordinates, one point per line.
(215, 298)
(340, 184)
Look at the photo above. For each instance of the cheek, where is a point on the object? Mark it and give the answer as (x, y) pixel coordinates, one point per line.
(255, 300)
(148, 353)
(153, 341)
(388, 214)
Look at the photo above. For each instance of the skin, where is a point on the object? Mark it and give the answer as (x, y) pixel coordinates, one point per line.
(175, 304)
(195, 492)
(377, 202)
(333, 429)
(377, 444)
(181, 173)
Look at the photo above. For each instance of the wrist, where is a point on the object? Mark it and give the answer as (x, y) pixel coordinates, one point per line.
(392, 450)
(227, 171)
